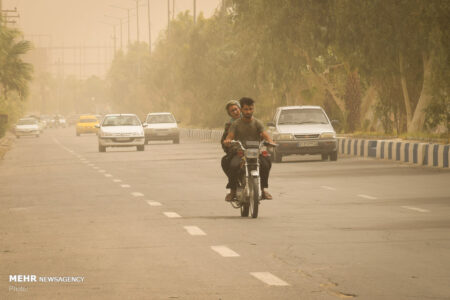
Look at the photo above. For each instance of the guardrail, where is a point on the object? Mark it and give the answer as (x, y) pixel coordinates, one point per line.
(424, 154)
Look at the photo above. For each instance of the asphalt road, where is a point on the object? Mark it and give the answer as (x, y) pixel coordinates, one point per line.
(154, 225)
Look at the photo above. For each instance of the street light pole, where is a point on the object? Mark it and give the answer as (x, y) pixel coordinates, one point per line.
(195, 11)
(120, 20)
(149, 28)
(137, 20)
(168, 18)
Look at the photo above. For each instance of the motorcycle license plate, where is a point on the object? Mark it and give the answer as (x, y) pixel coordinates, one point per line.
(308, 144)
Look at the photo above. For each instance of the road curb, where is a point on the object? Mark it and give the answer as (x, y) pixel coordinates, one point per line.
(5, 144)
(418, 153)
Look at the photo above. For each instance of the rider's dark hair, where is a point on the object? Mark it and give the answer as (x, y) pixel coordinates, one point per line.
(246, 101)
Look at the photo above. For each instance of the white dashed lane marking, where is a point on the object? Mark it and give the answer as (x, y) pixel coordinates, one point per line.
(101, 171)
(125, 185)
(194, 230)
(416, 209)
(171, 214)
(366, 197)
(107, 175)
(117, 180)
(225, 251)
(328, 187)
(137, 194)
(154, 203)
(269, 278)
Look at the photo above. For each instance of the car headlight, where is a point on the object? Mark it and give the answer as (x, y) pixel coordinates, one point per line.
(283, 137)
(328, 135)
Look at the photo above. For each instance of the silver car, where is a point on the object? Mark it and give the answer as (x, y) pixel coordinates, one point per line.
(302, 130)
(27, 127)
(161, 126)
(120, 130)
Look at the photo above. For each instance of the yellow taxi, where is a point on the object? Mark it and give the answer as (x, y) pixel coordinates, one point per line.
(86, 124)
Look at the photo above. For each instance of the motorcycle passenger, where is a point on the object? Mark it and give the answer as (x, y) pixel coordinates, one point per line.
(233, 109)
(248, 128)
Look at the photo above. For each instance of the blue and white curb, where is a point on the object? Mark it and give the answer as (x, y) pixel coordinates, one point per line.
(433, 155)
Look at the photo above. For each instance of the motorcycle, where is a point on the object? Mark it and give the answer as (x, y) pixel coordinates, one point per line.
(248, 192)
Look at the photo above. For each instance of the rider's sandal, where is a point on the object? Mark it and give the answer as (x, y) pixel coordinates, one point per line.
(266, 195)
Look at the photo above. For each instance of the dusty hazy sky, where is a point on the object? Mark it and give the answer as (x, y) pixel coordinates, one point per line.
(82, 22)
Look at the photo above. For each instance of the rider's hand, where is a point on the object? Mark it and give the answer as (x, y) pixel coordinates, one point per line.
(227, 142)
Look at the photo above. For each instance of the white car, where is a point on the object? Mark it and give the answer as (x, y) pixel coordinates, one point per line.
(161, 126)
(121, 130)
(302, 130)
(27, 127)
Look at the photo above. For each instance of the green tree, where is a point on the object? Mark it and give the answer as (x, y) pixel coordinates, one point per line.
(15, 74)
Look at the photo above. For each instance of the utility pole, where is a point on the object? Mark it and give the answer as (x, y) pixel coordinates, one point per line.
(168, 18)
(137, 19)
(149, 28)
(120, 20)
(195, 11)
(128, 17)
(173, 9)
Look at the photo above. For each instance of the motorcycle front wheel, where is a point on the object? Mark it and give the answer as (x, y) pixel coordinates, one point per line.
(254, 197)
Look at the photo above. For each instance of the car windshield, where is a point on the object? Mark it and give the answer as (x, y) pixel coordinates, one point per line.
(302, 116)
(88, 120)
(27, 122)
(121, 121)
(160, 119)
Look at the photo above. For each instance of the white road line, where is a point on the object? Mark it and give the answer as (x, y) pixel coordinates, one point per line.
(269, 278)
(225, 251)
(101, 171)
(154, 203)
(171, 214)
(107, 175)
(96, 168)
(137, 194)
(117, 180)
(91, 165)
(416, 209)
(366, 196)
(194, 230)
(328, 187)
(125, 185)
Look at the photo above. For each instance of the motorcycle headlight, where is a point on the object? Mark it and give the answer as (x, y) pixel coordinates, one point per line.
(283, 137)
(328, 135)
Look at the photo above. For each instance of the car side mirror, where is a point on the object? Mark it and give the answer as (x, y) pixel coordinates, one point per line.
(144, 125)
(97, 125)
(270, 124)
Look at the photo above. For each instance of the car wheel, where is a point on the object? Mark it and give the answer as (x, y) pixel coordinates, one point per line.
(101, 148)
(140, 148)
(176, 141)
(333, 156)
(324, 156)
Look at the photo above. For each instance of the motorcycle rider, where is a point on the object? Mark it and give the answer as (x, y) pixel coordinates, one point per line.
(248, 128)
(233, 109)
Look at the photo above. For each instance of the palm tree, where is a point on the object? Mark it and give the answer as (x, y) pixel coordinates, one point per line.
(14, 72)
